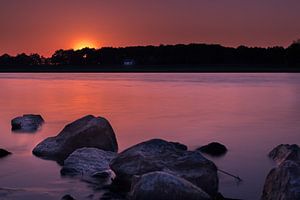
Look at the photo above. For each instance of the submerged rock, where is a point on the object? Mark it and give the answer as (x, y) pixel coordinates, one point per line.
(160, 155)
(165, 186)
(91, 164)
(285, 152)
(27, 123)
(88, 131)
(213, 149)
(283, 181)
(4, 153)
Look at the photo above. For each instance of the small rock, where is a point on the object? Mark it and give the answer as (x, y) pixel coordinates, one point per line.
(4, 153)
(27, 123)
(67, 197)
(164, 186)
(88, 131)
(160, 155)
(213, 149)
(285, 152)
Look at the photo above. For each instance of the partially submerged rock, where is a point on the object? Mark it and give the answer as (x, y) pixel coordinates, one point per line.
(160, 155)
(283, 181)
(213, 149)
(4, 153)
(90, 164)
(285, 152)
(67, 197)
(165, 186)
(27, 123)
(88, 131)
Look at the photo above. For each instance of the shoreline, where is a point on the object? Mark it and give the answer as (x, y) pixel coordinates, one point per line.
(209, 68)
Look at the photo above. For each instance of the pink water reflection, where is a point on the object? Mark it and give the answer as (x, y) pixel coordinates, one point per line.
(249, 113)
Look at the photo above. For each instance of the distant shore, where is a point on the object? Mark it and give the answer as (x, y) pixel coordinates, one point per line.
(151, 68)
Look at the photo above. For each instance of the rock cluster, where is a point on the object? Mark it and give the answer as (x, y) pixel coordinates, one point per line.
(154, 169)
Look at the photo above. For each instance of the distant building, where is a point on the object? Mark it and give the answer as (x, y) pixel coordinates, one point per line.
(128, 62)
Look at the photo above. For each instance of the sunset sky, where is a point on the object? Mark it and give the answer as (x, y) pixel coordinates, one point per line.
(43, 26)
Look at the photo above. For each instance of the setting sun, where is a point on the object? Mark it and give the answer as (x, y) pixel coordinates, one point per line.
(83, 44)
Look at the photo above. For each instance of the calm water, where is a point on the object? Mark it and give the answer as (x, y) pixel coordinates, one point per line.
(249, 113)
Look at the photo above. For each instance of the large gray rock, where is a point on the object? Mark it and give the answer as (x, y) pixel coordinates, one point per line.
(88, 131)
(283, 181)
(285, 152)
(27, 123)
(160, 155)
(165, 186)
(90, 164)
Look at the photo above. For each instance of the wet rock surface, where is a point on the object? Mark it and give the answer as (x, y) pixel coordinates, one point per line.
(27, 123)
(90, 164)
(165, 186)
(159, 155)
(88, 131)
(283, 181)
(285, 152)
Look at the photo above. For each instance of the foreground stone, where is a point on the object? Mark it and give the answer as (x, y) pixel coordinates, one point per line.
(88, 131)
(4, 153)
(27, 123)
(285, 152)
(283, 181)
(213, 149)
(90, 164)
(164, 186)
(160, 155)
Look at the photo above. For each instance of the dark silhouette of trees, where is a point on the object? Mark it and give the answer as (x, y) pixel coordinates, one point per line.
(164, 55)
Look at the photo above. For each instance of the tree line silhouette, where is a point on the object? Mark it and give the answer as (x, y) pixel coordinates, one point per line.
(180, 54)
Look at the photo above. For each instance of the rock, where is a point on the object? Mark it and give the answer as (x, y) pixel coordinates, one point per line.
(67, 197)
(89, 163)
(165, 186)
(27, 123)
(285, 152)
(283, 182)
(213, 149)
(160, 155)
(88, 131)
(4, 153)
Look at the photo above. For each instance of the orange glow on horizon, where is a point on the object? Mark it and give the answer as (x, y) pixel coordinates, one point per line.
(81, 44)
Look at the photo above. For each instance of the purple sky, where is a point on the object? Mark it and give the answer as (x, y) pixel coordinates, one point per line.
(44, 26)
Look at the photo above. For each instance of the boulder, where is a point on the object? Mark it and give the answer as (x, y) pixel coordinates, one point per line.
(283, 182)
(165, 186)
(213, 149)
(4, 153)
(27, 123)
(160, 155)
(88, 131)
(90, 164)
(285, 152)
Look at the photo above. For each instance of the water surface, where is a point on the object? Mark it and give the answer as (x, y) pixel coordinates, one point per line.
(249, 113)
